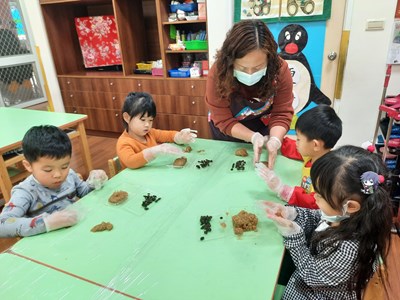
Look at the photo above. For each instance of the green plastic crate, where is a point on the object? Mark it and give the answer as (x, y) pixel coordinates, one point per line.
(196, 45)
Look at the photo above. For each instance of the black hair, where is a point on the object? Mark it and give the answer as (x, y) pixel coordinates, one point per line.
(138, 104)
(321, 123)
(46, 141)
(336, 176)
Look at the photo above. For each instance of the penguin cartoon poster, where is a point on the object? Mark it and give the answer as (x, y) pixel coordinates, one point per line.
(292, 40)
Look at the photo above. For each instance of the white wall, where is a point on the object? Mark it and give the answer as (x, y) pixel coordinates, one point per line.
(35, 20)
(363, 77)
(220, 19)
(365, 71)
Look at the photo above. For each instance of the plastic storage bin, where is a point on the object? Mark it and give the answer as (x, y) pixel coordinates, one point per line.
(181, 72)
(144, 65)
(196, 45)
(188, 7)
(157, 72)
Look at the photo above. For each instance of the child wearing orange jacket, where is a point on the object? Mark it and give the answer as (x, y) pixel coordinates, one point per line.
(140, 143)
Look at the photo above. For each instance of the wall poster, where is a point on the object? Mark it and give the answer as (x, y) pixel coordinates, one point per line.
(394, 48)
(283, 10)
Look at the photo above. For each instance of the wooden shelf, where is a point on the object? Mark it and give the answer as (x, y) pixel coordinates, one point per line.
(144, 35)
(184, 22)
(185, 51)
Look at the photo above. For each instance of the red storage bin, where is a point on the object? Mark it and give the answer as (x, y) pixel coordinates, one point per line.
(99, 42)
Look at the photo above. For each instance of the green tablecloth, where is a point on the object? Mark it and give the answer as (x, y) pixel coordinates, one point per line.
(24, 279)
(158, 254)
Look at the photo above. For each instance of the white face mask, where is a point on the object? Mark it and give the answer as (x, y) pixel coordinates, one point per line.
(337, 218)
(249, 79)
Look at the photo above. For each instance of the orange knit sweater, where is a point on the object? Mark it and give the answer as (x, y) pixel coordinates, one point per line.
(130, 150)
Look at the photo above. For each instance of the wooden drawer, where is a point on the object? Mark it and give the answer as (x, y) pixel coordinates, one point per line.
(100, 119)
(72, 84)
(185, 87)
(92, 84)
(104, 84)
(178, 122)
(151, 86)
(93, 99)
(183, 105)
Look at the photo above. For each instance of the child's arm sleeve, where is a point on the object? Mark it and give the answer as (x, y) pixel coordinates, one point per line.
(322, 271)
(129, 158)
(13, 220)
(308, 219)
(165, 136)
(82, 188)
(302, 199)
(289, 149)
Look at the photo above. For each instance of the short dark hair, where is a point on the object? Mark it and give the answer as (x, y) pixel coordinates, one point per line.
(321, 123)
(138, 104)
(46, 140)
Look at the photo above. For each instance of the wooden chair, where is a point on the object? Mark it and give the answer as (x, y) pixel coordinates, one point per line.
(375, 288)
(114, 166)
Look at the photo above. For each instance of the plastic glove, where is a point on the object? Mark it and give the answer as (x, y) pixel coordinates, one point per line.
(273, 145)
(273, 182)
(258, 143)
(283, 217)
(279, 210)
(96, 179)
(60, 219)
(151, 153)
(285, 227)
(185, 136)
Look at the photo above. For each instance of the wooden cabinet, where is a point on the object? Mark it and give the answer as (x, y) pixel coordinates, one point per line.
(178, 122)
(144, 34)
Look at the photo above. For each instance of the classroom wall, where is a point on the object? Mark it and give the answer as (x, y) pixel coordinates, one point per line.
(35, 19)
(364, 72)
(220, 19)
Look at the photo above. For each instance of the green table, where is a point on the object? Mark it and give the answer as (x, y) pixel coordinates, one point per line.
(158, 254)
(29, 280)
(15, 122)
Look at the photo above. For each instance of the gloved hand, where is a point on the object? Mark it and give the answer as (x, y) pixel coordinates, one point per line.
(258, 143)
(283, 217)
(273, 145)
(60, 219)
(163, 149)
(185, 136)
(96, 179)
(285, 227)
(273, 182)
(279, 210)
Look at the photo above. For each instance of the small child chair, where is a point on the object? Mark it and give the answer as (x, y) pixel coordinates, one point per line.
(114, 166)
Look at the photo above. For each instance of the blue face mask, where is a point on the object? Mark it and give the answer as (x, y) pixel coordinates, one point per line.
(249, 79)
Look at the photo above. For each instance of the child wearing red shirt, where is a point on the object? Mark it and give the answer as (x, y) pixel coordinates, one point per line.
(317, 132)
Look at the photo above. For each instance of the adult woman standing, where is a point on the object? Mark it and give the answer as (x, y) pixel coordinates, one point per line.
(249, 90)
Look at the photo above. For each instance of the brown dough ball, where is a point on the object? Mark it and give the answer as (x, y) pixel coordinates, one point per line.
(102, 226)
(118, 197)
(187, 149)
(180, 162)
(241, 152)
(244, 221)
